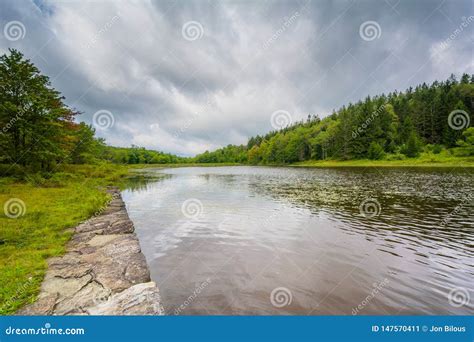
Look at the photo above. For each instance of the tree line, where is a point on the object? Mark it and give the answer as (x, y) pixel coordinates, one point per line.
(38, 130)
(399, 125)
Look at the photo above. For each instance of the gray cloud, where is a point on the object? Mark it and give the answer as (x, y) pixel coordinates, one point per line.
(186, 96)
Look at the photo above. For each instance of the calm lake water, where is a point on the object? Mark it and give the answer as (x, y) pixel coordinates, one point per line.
(261, 240)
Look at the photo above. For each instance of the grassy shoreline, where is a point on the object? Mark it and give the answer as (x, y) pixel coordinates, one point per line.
(38, 223)
(425, 161)
(455, 162)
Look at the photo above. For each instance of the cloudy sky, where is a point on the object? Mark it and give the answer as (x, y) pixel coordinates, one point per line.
(186, 76)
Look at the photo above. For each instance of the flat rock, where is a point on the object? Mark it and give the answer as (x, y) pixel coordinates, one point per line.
(103, 272)
(43, 306)
(141, 299)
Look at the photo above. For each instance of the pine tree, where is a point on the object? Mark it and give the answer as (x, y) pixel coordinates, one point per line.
(413, 146)
(375, 151)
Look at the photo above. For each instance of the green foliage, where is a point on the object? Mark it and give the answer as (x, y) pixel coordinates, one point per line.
(467, 141)
(33, 118)
(58, 202)
(412, 148)
(395, 156)
(12, 170)
(139, 155)
(443, 159)
(228, 154)
(437, 149)
(385, 124)
(38, 130)
(375, 151)
(468, 136)
(86, 148)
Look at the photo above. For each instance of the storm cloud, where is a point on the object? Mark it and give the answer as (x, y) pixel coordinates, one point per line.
(187, 76)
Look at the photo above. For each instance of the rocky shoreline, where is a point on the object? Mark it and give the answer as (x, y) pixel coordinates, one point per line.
(103, 271)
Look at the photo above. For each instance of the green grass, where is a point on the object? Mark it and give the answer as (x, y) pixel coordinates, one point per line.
(443, 159)
(50, 207)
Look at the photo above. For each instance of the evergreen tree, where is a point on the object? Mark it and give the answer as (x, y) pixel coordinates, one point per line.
(413, 146)
(375, 151)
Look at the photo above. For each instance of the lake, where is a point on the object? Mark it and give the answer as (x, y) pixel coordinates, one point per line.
(308, 241)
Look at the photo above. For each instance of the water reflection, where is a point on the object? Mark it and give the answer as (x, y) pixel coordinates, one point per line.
(141, 179)
(303, 230)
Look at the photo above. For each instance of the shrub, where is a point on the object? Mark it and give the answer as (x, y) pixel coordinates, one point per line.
(60, 179)
(396, 156)
(413, 146)
(437, 149)
(375, 151)
(35, 179)
(12, 170)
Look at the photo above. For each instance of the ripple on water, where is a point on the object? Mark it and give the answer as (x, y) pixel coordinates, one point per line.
(302, 229)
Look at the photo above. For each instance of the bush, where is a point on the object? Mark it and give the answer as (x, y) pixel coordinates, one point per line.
(12, 170)
(413, 146)
(467, 142)
(437, 149)
(60, 179)
(35, 179)
(396, 156)
(51, 180)
(460, 152)
(375, 151)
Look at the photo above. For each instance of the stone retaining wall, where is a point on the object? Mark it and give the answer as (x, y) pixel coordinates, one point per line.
(103, 271)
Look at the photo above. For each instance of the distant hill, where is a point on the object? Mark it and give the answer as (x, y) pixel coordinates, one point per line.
(397, 125)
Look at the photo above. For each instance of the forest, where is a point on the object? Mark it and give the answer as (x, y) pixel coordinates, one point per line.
(428, 118)
(40, 132)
